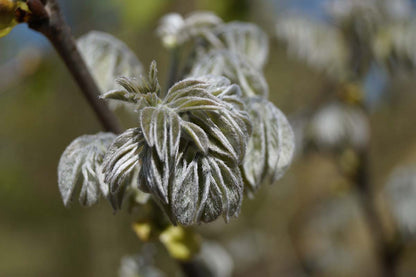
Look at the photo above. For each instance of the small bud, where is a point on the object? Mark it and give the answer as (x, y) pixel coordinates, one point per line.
(7, 16)
(11, 12)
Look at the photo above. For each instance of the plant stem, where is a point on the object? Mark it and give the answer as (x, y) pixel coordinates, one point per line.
(47, 19)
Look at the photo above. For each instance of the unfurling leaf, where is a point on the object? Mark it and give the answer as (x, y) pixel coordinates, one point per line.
(246, 40)
(188, 147)
(81, 165)
(174, 30)
(235, 68)
(144, 91)
(271, 146)
(204, 187)
(107, 59)
(122, 157)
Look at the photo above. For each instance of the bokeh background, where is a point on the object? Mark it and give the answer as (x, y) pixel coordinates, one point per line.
(311, 213)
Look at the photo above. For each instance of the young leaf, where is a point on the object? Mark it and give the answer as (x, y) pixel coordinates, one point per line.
(108, 59)
(204, 188)
(271, 146)
(197, 133)
(175, 30)
(246, 40)
(81, 164)
(122, 158)
(234, 67)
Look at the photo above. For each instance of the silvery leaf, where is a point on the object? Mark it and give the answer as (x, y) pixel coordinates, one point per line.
(216, 110)
(122, 159)
(225, 131)
(81, 164)
(245, 39)
(271, 146)
(321, 46)
(161, 128)
(175, 30)
(401, 195)
(107, 59)
(156, 174)
(197, 134)
(192, 95)
(339, 125)
(204, 188)
(144, 91)
(234, 67)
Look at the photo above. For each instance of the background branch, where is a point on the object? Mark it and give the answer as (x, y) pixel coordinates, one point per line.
(46, 18)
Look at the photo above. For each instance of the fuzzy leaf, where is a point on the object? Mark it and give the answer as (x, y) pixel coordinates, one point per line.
(122, 158)
(197, 134)
(245, 39)
(175, 30)
(234, 67)
(271, 146)
(108, 58)
(81, 162)
(144, 91)
(188, 148)
(204, 188)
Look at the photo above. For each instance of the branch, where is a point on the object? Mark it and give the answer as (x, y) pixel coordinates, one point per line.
(388, 250)
(46, 18)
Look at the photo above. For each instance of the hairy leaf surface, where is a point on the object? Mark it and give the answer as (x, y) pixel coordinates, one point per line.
(81, 166)
(271, 146)
(234, 67)
(245, 39)
(107, 59)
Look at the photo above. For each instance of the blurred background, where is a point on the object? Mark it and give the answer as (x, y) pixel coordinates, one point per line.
(310, 222)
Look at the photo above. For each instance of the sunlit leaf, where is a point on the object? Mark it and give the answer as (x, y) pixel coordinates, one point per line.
(245, 39)
(108, 59)
(122, 158)
(174, 30)
(271, 146)
(197, 134)
(204, 188)
(80, 167)
(143, 91)
(238, 70)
